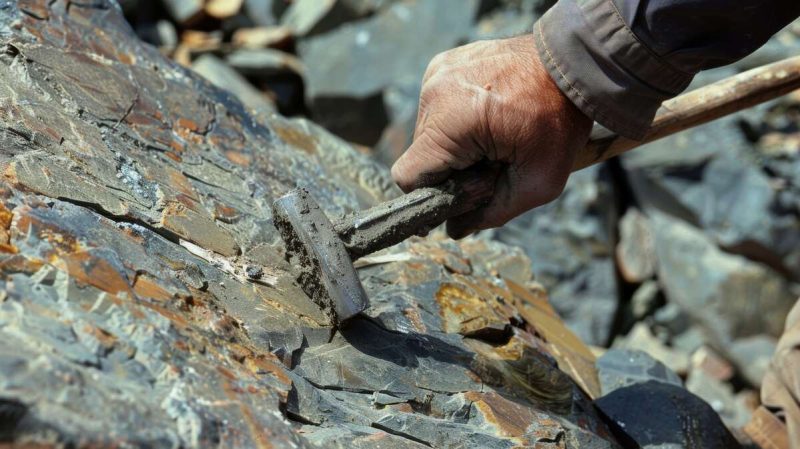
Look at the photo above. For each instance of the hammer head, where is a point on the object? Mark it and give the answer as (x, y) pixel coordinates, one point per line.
(327, 274)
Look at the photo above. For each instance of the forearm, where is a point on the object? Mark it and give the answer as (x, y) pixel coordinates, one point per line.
(617, 60)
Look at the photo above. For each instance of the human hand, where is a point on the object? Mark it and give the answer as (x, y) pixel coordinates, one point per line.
(493, 100)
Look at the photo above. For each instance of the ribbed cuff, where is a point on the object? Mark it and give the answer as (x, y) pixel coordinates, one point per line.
(598, 63)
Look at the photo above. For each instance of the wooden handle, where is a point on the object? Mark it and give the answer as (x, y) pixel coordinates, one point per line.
(699, 106)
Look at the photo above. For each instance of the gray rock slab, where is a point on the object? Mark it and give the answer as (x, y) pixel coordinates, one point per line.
(619, 368)
(714, 177)
(727, 295)
(145, 298)
(226, 77)
(393, 46)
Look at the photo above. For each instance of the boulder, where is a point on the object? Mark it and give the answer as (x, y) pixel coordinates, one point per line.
(728, 296)
(146, 300)
(390, 48)
(659, 415)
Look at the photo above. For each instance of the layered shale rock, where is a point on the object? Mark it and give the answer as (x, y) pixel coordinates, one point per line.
(145, 300)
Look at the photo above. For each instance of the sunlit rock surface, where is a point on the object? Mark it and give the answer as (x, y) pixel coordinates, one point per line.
(146, 302)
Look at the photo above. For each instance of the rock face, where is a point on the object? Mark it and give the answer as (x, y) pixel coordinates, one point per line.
(145, 300)
(391, 49)
(570, 243)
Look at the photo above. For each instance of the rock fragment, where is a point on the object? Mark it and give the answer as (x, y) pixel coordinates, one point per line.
(752, 356)
(642, 339)
(263, 63)
(655, 415)
(224, 77)
(184, 11)
(264, 12)
(635, 252)
(719, 396)
(727, 295)
(261, 37)
(390, 48)
(619, 368)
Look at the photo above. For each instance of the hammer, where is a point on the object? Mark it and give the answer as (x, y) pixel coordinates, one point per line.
(324, 250)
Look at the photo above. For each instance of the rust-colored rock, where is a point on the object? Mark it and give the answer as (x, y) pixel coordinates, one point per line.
(146, 300)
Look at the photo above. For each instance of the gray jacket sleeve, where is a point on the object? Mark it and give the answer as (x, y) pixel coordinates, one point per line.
(617, 60)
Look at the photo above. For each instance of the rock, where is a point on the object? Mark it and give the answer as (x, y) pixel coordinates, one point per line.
(189, 12)
(502, 24)
(569, 244)
(689, 340)
(662, 415)
(306, 17)
(636, 256)
(728, 296)
(160, 33)
(752, 356)
(619, 368)
(222, 9)
(711, 364)
(401, 103)
(263, 63)
(719, 396)
(145, 300)
(391, 48)
(711, 177)
(645, 299)
(640, 338)
(672, 319)
(264, 12)
(184, 11)
(261, 37)
(309, 17)
(223, 76)
(194, 43)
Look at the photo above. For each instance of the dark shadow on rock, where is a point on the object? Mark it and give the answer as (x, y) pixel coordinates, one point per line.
(360, 120)
(12, 413)
(401, 349)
